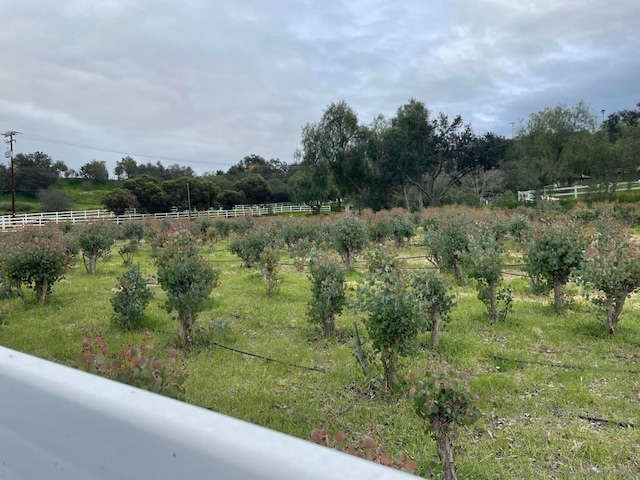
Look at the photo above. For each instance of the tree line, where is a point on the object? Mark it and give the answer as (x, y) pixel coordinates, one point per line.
(414, 159)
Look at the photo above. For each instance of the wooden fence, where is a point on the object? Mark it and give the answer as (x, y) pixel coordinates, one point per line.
(7, 222)
(553, 193)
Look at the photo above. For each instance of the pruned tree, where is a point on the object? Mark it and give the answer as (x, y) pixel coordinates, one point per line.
(95, 239)
(37, 258)
(555, 250)
(187, 279)
(612, 266)
(327, 288)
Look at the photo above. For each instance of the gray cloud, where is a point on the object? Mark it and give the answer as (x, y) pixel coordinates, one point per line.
(208, 82)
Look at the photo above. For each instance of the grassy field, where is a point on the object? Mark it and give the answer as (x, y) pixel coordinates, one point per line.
(537, 373)
(82, 194)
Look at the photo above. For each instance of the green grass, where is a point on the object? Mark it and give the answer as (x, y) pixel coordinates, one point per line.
(529, 426)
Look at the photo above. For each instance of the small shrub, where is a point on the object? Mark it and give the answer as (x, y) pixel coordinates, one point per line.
(270, 266)
(327, 287)
(249, 246)
(132, 231)
(188, 280)
(299, 252)
(612, 266)
(35, 257)
(443, 400)
(131, 298)
(553, 254)
(95, 240)
(349, 237)
(137, 365)
(127, 252)
(485, 265)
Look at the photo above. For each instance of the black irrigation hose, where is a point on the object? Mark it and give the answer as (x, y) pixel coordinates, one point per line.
(561, 365)
(255, 355)
(313, 369)
(604, 420)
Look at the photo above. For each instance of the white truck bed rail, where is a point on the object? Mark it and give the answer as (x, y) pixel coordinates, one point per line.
(60, 423)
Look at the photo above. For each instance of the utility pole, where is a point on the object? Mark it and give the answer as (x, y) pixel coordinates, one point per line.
(189, 199)
(512, 125)
(8, 139)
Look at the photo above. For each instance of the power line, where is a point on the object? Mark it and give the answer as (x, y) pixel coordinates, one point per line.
(72, 143)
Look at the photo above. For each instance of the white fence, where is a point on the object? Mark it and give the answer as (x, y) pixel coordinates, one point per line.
(553, 193)
(60, 423)
(7, 222)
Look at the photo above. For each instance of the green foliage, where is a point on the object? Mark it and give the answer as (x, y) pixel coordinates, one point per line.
(137, 365)
(403, 228)
(127, 250)
(187, 278)
(612, 266)
(327, 287)
(269, 266)
(447, 243)
(35, 257)
(379, 228)
(392, 318)
(223, 228)
(35, 171)
(131, 298)
(95, 240)
(96, 171)
(484, 263)
(132, 231)
(249, 246)
(349, 237)
(119, 200)
(366, 448)
(434, 299)
(555, 251)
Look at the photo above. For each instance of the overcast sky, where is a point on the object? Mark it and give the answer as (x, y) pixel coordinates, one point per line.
(206, 82)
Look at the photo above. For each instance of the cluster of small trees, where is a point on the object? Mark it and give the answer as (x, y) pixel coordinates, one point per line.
(397, 303)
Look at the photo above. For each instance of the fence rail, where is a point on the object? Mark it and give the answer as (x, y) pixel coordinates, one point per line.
(60, 423)
(7, 222)
(554, 193)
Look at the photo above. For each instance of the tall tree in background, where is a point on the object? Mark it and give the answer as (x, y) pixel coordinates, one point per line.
(552, 146)
(35, 171)
(96, 171)
(312, 185)
(127, 167)
(335, 142)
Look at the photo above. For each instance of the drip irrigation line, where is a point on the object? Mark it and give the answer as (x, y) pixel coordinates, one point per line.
(604, 420)
(255, 355)
(561, 365)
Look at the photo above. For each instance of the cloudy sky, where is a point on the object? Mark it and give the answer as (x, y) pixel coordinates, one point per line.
(205, 82)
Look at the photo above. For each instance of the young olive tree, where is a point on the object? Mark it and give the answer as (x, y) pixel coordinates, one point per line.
(249, 246)
(612, 266)
(396, 303)
(37, 258)
(131, 298)
(187, 278)
(349, 237)
(484, 263)
(443, 400)
(447, 243)
(555, 251)
(327, 287)
(434, 299)
(95, 240)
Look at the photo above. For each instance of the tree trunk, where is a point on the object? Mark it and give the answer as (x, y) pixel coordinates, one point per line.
(43, 289)
(445, 449)
(390, 364)
(493, 302)
(21, 292)
(457, 269)
(436, 319)
(329, 323)
(558, 295)
(92, 264)
(184, 328)
(614, 306)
